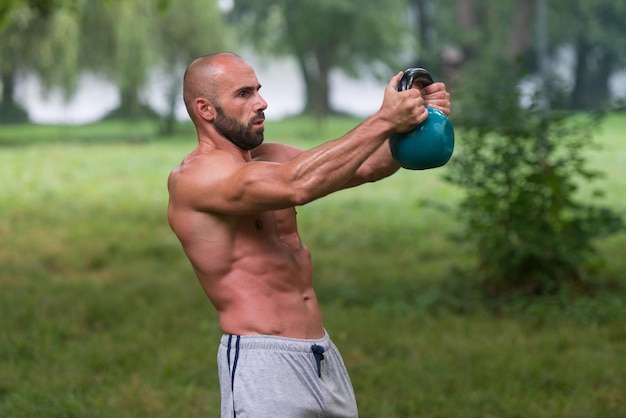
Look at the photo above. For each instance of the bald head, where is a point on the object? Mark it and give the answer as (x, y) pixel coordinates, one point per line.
(202, 78)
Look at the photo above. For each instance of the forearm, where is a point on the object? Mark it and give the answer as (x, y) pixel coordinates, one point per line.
(377, 167)
(332, 166)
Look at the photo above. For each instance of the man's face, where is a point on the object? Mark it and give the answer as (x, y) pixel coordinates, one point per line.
(245, 136)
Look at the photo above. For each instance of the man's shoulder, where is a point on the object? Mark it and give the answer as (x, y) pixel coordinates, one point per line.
(200, 169)
(275, 152)
(203, 163)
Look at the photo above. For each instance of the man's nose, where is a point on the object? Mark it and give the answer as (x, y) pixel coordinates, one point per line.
(261, 104)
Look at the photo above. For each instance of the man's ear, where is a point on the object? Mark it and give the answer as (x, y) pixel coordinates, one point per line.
(204, 109)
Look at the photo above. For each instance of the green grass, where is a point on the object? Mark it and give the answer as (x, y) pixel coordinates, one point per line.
(101, 315)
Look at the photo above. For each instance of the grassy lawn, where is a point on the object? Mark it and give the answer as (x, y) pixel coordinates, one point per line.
(101, 315)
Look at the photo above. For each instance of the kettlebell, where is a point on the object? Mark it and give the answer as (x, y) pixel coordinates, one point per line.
(429, 144)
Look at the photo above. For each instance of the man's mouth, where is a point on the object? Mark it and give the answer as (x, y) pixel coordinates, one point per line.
(258, 122)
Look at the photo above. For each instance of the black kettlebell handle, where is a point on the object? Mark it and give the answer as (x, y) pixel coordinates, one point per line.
(412, 76)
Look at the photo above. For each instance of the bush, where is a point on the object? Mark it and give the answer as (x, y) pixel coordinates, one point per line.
(521, 169)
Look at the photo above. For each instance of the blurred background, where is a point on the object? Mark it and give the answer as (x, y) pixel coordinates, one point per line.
(78, 61)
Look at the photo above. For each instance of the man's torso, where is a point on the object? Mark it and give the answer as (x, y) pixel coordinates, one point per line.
(255, 269)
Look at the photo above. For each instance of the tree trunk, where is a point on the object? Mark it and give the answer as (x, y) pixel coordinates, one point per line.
(10, 111)
(131, 108)
(8, 86)
(520, 36)
(317, 84)
(466, 14)
(591, 82)
(599, 92)
(321, 95)
(422, 10)
(169, 121)
(130, 104)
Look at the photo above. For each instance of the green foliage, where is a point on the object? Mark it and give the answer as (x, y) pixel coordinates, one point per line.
(345, 34)
(583, 57)
(140, 42)
(45, 42)
(198, 25)
(130, 42)
(600, 25)
(598, 46)
(533, 232)
(5, 9)
(42, 7)
(366, 37)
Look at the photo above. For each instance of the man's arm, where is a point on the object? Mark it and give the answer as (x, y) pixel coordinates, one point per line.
(219, 183)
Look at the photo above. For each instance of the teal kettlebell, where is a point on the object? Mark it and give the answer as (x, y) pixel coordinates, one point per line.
(431, 143)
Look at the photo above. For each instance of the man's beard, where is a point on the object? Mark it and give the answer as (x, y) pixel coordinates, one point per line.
(244, 136)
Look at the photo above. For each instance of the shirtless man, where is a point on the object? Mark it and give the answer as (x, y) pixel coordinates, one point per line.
(232, 206)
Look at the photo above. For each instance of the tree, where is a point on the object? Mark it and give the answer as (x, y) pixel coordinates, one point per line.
(119, 44)
(8, 6)
(129, 41)
(599, 44)
(39, 39)
(482, 28)
(322, 35)
(479, 30)
(423, 12)
(126, 41)
(187, 30)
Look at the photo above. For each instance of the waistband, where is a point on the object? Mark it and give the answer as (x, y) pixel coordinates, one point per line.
(271, 342)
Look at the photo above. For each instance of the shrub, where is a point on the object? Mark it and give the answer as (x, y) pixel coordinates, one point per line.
(521, 168)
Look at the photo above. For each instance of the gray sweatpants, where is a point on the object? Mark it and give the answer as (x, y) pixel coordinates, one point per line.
(266, 376)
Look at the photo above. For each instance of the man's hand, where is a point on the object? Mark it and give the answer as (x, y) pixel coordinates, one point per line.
(436, 96)
(402, 109)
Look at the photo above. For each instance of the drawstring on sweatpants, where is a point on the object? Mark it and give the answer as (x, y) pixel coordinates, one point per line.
(234, 366)
(318, 352)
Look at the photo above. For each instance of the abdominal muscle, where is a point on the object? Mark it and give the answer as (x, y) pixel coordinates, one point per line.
(258, 275)
(266, 311)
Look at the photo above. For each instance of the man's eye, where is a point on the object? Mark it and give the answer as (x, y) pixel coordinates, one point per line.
(244, 93)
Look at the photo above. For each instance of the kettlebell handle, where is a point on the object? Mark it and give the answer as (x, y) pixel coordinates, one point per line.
(412, 76)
